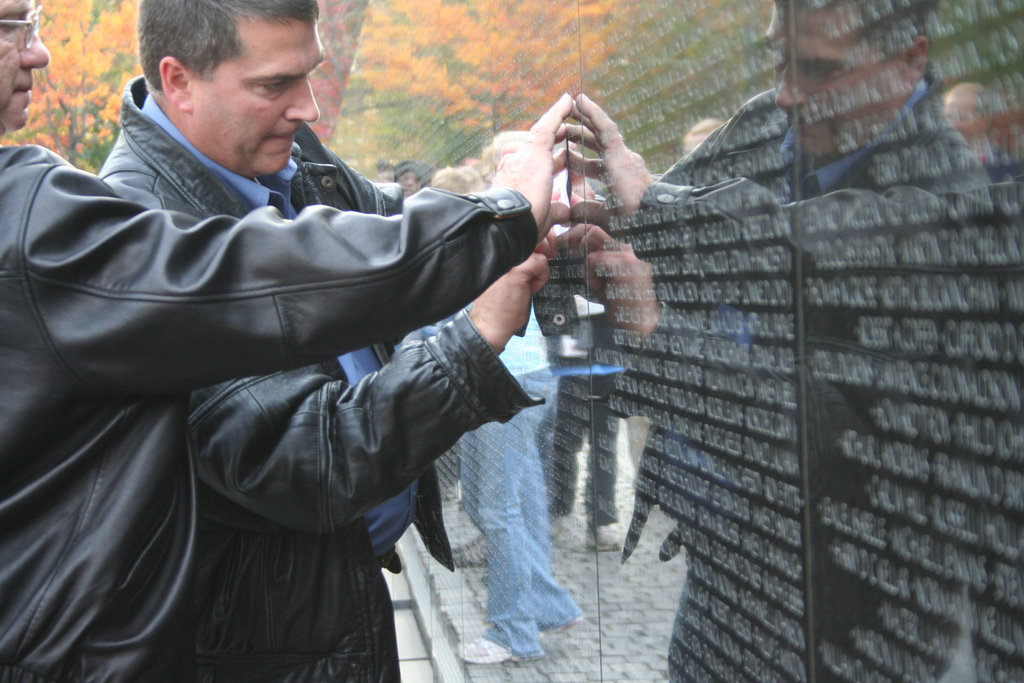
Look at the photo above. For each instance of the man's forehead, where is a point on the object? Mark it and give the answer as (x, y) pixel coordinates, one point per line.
(254, 34)
(837, 21)
(16, 8)
(245, 25)
(263, 58)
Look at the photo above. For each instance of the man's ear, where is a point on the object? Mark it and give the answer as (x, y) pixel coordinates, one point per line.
(176, 80)
(916, 57)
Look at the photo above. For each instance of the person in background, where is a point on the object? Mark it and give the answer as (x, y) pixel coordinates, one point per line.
(503, 493)
(458, 179)
(385, 171)
(582, 414)
(490, 155)
(699, 132)
(972, 109)
(412, 175)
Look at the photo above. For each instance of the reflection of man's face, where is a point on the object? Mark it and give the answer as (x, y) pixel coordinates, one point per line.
(842, 91)
(16, 65)
(410, 183)
(246, 113)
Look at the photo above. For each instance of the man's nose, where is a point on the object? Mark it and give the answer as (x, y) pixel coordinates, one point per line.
(304, 107)
(35, 56)
(787, 92)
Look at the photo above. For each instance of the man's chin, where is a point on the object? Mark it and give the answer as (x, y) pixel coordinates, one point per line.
(276, 153)
(818, 144)
(13, 120)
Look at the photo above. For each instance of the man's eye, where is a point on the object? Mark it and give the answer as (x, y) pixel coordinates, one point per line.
(275, 87)
(819, 70)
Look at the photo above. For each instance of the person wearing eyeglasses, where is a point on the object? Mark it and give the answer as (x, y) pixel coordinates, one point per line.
(850, 92)
(20, 53)
(111, 314)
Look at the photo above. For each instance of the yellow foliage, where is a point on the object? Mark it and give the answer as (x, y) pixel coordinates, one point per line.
(432, 74)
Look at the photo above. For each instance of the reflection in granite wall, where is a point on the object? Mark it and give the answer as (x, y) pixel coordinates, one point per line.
(834, 379)
(818, 312)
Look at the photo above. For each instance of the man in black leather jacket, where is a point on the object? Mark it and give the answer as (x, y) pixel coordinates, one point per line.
(288, 463)
(110, 315)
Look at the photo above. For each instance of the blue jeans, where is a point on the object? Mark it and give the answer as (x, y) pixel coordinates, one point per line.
(504, 494)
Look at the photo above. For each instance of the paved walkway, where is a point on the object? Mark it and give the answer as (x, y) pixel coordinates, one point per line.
(629, 608)
(413, 650)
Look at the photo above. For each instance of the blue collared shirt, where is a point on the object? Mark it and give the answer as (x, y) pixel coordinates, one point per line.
(828, 176)
(266, 190)
(388, 521)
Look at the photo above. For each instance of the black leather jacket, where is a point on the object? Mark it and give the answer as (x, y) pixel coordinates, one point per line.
(921, 150)
(289, 462)
(109, 316)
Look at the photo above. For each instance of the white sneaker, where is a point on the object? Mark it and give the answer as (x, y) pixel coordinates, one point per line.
(604, 538)
(484, 651)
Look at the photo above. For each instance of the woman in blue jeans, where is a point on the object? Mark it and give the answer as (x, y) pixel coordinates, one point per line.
(503, 492)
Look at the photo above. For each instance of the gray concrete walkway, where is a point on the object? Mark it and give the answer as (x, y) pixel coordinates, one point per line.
(629, 608)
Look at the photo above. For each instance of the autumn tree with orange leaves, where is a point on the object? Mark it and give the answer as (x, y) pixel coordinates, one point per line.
(435, 79)
(76, 99)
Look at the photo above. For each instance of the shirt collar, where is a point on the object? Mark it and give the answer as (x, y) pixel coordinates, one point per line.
(830, 174)
(253, 193)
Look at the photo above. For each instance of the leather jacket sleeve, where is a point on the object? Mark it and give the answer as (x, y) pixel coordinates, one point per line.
(129, 299)
(308, 451)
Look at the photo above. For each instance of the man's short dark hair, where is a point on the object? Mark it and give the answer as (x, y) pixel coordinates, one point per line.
(423, 170)
(202, 34)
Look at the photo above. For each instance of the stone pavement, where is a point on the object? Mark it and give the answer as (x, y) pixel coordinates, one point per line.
(629, 608)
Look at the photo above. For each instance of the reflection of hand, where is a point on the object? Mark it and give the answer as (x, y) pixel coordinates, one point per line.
(620, 280)
(591, 212)
(530, 166)
(579, 189)
(504, 307)
(621, 169)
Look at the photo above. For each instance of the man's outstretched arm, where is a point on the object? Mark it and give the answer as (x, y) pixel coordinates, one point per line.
(308, 451)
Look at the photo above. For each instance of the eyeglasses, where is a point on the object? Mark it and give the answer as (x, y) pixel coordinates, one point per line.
(29, 24)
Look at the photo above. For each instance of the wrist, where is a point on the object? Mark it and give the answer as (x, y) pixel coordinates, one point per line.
(493, 335)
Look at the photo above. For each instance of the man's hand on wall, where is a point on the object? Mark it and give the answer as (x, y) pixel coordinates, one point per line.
(504, 307)
(530, 166)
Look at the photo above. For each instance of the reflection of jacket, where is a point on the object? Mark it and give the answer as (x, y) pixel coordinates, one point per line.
(289, 587)
(749, 146)
(895, 186)
(108, 317)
